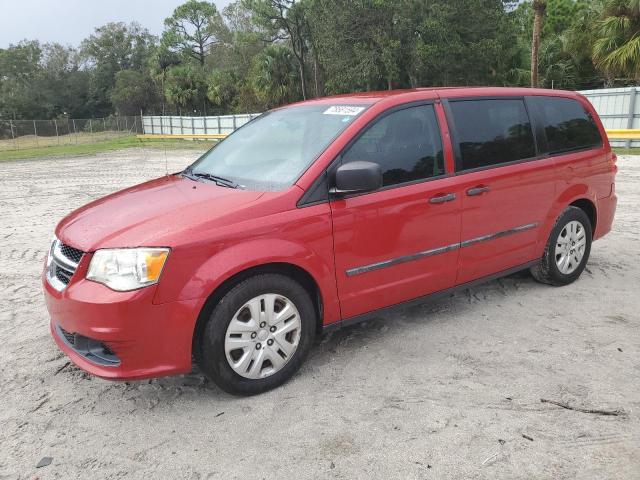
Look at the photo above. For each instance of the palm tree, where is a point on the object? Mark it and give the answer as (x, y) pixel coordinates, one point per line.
(539, 7)
(274, 76)
(617, 46)
(558, 63)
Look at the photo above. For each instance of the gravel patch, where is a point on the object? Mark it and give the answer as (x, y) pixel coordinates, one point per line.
(451, 389)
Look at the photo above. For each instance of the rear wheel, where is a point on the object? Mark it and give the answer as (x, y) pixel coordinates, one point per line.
(258, 335)
(567, 250)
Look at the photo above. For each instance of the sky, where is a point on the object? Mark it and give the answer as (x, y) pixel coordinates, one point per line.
(70, 21)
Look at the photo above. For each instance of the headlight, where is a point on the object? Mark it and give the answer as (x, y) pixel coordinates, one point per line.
(125, 269)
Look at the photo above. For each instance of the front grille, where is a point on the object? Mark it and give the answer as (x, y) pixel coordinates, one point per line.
(63, 275)
(71, 253)
(63, 262)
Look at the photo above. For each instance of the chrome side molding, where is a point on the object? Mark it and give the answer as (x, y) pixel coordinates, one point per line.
(437, 251)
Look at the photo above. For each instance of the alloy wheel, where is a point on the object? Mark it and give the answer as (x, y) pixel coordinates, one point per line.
(570, 247)
(262, 336)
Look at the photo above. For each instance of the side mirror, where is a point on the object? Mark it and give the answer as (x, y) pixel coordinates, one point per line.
(357, 177)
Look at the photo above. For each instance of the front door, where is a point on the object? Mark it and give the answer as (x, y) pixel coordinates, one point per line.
(399, 242)
(507, 190)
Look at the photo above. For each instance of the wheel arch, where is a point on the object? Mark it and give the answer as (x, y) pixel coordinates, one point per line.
(297, 273)
(577, 195)
(589, 208)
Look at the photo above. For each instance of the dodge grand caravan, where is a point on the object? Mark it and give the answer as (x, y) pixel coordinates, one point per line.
(321, 214)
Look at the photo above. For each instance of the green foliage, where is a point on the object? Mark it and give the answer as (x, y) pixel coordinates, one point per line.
(192, 29)
(20, 77)
(133, 92)
(285, 20)
(42, 81)
(567, 43)
(617, 47)
(112, 48)
(257, 54)
(358, 49)
(222, 89)
(185, 86)
(476, 33)
(118, 46)
(274, 77)
(560, 15)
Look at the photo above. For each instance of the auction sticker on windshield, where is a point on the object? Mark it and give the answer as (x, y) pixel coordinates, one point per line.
(343, 110)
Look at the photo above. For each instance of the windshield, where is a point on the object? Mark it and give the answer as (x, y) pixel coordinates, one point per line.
(272, 151)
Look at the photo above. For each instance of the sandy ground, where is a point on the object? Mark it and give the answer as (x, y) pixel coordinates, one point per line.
(447, 390)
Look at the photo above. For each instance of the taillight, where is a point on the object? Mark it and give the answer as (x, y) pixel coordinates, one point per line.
(614, 158)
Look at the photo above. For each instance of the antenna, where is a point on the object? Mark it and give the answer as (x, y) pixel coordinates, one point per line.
(164, 141)
(166, 166)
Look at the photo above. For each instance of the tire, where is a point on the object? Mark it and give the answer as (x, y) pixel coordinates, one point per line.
(552, 269)
(266, 356)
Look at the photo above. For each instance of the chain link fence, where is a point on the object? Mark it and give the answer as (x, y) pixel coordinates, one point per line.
(24, 134)
(618, 108)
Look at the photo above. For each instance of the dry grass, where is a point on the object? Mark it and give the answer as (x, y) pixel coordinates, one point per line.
(80, 138)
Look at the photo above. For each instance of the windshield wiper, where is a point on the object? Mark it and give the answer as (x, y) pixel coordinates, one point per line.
(221, 181)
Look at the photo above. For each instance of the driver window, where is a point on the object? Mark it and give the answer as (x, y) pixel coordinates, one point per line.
(406, 144)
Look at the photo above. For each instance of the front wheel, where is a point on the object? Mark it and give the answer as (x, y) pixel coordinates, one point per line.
(567, 250)
(258, 335)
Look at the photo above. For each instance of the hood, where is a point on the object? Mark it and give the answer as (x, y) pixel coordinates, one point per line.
(154, 213)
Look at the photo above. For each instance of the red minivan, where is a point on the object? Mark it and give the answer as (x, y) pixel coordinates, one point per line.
(320, 214)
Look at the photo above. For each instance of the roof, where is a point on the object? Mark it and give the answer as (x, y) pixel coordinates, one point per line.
(443, 92)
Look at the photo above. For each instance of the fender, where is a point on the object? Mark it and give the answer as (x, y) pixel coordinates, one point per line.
(566, 197)
(236, 258)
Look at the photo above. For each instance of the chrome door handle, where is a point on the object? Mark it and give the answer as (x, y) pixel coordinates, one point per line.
(449, 197)
(472, 192)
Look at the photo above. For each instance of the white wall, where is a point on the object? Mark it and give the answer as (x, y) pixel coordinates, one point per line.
(168, 125)
(617, 108)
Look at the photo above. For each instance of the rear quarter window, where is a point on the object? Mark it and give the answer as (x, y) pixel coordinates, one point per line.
(567, 124)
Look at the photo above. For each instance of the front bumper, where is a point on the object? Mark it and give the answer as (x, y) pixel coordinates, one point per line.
(142, 340)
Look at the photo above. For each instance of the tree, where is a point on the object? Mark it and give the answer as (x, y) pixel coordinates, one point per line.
(581, 37)
(185, 86)
(274, 76)
(193, 28)
(258, 54)
(114, 47)
(20, 77)
(285, 20)
(560, 15)
(617, 46)
(133, 91)
(557, 64)
(222, 89)
(64, 83)
(245, 40)
(566, 40)
(478, 34)
(118, 46)
(42, 81)
(539, 7)
(363, 48)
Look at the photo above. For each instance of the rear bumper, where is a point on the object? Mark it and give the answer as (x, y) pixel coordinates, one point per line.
(606, 212)
(142, 340)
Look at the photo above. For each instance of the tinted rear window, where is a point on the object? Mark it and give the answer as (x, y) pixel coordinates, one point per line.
(490, 132)
(567, 125)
